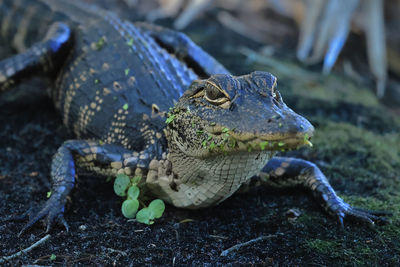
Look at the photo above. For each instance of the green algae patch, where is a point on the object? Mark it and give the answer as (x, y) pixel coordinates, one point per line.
(363, 168)
(339, 251)
(372, 203)
(323, 247)
(354, 147)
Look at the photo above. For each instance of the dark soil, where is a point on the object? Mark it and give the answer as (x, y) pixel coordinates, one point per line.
(356, 145)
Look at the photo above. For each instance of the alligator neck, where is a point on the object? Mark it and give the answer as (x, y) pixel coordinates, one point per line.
(200, 182)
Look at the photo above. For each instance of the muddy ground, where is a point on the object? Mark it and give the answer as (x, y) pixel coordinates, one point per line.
(357, 145)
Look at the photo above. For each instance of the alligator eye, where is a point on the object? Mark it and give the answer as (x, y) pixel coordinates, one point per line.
(215, 95)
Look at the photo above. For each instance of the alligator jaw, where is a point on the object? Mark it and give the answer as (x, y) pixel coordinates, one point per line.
(249, 141)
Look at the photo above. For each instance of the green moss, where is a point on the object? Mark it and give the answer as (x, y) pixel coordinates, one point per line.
(364, 166)
(356, 252)
(323, 247)
(354, 147)
(372, 203)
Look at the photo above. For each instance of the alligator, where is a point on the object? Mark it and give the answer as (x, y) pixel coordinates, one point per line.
(144, 100)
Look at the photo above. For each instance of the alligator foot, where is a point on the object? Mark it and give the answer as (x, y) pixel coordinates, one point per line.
(184, 49)
(38, 59)
(283, 172)
(362, 215)
(53, 210)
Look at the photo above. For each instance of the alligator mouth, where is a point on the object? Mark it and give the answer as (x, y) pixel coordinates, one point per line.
(251, 141)
(275, 144)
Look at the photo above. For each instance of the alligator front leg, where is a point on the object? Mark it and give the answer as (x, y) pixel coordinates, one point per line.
(103, 159)
(282, 172)
(184, 49)
(42, 58)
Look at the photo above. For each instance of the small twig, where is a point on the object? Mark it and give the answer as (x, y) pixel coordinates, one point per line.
(239, 246)
(24, 251)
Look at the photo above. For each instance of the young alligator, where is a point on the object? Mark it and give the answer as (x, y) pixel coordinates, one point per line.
(114, 81)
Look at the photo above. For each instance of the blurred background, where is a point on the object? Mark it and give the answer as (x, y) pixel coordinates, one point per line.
(356, 38)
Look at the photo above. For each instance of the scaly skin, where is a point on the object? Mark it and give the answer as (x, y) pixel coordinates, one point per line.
(114, 81)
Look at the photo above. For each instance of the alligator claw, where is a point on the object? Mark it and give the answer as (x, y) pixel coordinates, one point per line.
(62, 221)
(362, 215)
(340, 218)
(53, 210)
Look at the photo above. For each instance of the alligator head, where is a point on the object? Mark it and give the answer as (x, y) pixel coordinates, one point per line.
(225, 114)
(226, 128)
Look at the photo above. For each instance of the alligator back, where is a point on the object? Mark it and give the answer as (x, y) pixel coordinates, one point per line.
(114, 78)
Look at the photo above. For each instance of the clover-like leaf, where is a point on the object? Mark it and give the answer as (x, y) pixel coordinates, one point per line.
(129, 208)
(133, 192)
(121, 184)
(145, 215)
(157, 206)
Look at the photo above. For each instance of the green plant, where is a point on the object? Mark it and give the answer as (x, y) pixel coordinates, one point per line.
(124, 186)
(153, 211)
